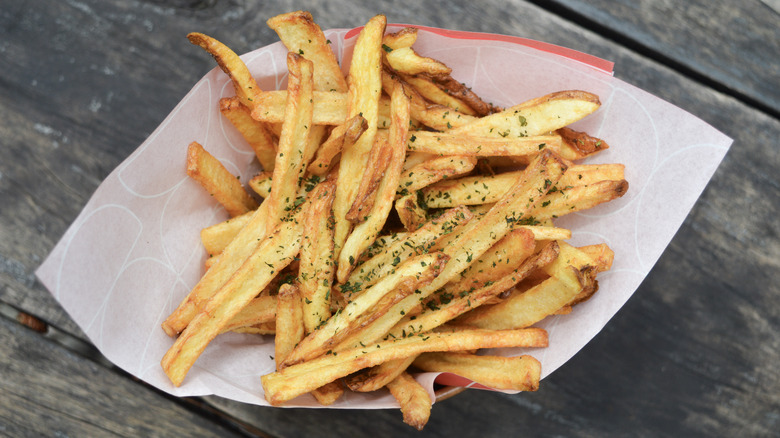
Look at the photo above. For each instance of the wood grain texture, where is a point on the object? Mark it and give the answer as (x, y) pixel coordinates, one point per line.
(693, 353)
(49, 391)
(731, 44)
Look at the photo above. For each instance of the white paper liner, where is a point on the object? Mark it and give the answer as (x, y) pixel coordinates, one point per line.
(134, 251)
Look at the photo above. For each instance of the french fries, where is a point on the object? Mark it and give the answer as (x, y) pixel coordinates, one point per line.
(354, 296)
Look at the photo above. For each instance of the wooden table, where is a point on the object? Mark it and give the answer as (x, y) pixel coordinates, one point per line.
(695, 352)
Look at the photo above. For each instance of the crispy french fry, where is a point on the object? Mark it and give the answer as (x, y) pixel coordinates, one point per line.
(364, 233)
(342, 136)
(431, 92)
(217, 237)
(289, 322)
(377, 377)
(411, 211)
(243, 82)
(365, 88)
(262, 183)
(379, 158)
(317, 268)
(442, 143)
(564, 200)
(290, 160)
(433, 170)
(260, 310)
(405, 37)
(406, 60)
(330, 108)
(255, 133)
(577, 145)
(298, 31)
(413, 398)
(295, 380)
(572, 273)
(218, 181)
(534, 117)
(272, 254)
(230, 260)
(460, 91)
(412, 244)
(404, 281)
(521, 373)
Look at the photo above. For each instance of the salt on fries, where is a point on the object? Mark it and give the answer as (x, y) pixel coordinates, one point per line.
(405, 224)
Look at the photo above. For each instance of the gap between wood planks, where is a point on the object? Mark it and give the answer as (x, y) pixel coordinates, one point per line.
(91, 353)
(619, 38)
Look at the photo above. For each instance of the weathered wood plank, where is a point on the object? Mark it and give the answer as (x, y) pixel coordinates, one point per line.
(733, 44)
(83, 83)
(49, 391)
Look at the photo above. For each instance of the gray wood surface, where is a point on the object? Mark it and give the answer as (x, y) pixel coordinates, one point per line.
(693, 353)
(733, 46)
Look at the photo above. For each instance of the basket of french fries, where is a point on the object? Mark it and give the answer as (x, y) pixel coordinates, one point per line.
(360, 214)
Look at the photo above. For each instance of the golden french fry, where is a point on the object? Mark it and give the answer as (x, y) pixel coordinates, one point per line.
(218, 181)
(521, 373)
(330, 108)
(433, 170)
(243, 82)
(295, 380)
(364, 233)
(404, 281)
(296, 132)
(406, 60)
(255, 133)
(272, 254)
(413, 398)
(343, 136)
(411, 211)
(534, 117)
(289, 322)
(462, 93)
(365, 81)
(379, 376)
(230, 260)
(577, 145)
(262, 183)
(442, 143)
(431, 92)
(562, 201)
(379, 159)
(317, 264)
(260, 310)
(300, 34)
(405, 37)
(601, 254)
(217, 237)
(380, 245)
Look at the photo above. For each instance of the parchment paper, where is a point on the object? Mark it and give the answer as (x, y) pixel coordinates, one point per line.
(134, 251)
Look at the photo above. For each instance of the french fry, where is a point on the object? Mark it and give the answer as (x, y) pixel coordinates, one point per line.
(364, 233)
(433, 170)
(255, 133)
(317, 268)
(379, 158)
(412, 244)
(243, 82)
(406, 60)
(330, 108)
(405, 37)
(534, 117)
(230, 260)
(366, 85)
(413, 398)
(462, 93)
(577, 145)
(295, 380)
(404, 281)
(563, 201)
(261, 310)
(298, 31)
(272, 254)
(410, 211)
(571, 274)
(262, 183)
(290, 160)
(379, 376)
(289, 322)
(218, 181)
(431, 92)
(442, 143)
(520, 373)
(341, 137)
(217, 237)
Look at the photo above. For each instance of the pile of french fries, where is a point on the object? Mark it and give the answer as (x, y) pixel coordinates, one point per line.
(405, 223)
